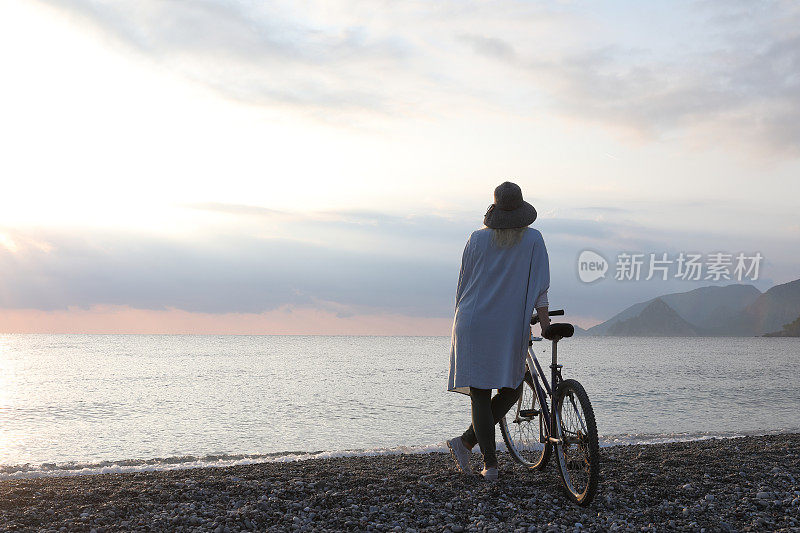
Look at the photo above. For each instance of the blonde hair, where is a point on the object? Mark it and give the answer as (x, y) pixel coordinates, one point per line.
(506, 238)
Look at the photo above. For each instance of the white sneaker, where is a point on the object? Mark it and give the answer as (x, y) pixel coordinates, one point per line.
(489, 474)
(460, 454)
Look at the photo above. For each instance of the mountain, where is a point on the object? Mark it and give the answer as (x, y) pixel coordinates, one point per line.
(789, 330)
(778, 306)
(657, 319)
(707, 310)
(733, 310)
(711, 309)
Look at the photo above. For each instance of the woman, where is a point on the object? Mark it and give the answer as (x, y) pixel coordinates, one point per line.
(505, 273)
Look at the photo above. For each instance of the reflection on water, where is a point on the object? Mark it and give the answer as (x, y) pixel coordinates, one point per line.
(93, 398)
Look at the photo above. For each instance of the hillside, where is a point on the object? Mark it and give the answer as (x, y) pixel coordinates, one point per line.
(657, 319)
(732, 310)
(789, 330)
(708, 310)
(778, 306)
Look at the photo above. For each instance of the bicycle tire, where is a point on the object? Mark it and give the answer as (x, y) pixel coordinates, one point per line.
(578, 446)
(531, 454)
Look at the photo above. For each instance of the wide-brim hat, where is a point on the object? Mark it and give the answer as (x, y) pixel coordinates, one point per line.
(509, 210)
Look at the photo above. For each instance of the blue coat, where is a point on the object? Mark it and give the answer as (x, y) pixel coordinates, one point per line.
(497, 289)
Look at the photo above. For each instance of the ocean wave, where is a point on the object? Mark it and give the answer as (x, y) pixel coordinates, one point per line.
(664, 438)
(30, 470)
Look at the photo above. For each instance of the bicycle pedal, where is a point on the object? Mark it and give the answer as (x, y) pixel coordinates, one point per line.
(528, 413)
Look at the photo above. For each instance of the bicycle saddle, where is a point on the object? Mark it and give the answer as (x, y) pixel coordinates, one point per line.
(558, 329)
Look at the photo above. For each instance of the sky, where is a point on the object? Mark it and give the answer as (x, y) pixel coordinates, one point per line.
(316, 167)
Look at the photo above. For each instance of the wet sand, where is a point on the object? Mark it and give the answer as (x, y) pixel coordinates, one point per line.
(742, 484)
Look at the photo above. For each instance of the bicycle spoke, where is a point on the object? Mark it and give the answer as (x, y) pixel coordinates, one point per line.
(524, 426)
(573, 446)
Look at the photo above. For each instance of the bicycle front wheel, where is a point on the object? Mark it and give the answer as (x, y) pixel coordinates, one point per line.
(523, 428)
(578, 451)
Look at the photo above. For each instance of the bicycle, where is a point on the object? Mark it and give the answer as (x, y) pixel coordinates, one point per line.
(531, 430)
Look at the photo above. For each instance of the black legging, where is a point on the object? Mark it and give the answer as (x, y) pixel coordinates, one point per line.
(485, 414)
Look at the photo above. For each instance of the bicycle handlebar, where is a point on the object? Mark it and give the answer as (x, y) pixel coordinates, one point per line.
(556, 312)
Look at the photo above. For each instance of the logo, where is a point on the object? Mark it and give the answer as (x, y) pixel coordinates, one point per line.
(715, 267)
(591, 266)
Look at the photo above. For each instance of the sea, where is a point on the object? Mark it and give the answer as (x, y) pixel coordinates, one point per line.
(87, 404)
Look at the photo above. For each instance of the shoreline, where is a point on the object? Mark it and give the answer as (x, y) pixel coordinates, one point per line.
(730, 484)
(222, 460)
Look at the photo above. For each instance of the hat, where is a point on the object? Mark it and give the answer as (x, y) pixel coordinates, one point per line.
(509, 210)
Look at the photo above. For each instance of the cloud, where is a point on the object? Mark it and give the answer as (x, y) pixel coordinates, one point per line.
(255, 52)
(736, 80)
(283, 321)
(490, 46)
(416, 235)
(706, 70)
(236, 209)
(229, 273)
(728, 71)
(346, 264)
(603, 209)
(751, 92)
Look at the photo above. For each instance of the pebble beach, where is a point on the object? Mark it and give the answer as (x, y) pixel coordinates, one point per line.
(738, 484)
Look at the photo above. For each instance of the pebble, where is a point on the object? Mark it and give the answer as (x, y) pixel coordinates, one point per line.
(641, 489)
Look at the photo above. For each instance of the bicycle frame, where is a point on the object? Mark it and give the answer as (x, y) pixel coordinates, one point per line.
(533, 374)
(553, 420)
(573, 439)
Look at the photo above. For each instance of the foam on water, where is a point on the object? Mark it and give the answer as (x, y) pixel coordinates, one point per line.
(28, 471)
(179, 463)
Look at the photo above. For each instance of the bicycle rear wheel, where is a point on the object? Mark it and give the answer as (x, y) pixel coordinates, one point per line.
(578, 452)
(523, 428)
